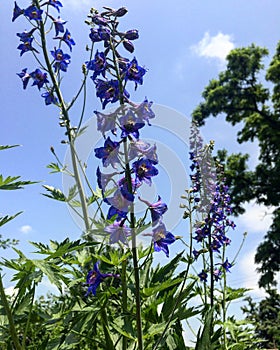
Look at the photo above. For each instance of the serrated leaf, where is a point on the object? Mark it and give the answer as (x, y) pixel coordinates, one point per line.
(7, 218)
(11, 183)
(55, 193)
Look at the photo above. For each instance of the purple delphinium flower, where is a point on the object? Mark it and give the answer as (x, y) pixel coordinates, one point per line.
(24, 76)
(119, 205)
(157, 209)
(25, 36)
(134, 72)
(95, 277)
(144, 111)
(58, 24)
(108, 153)
(144, 170)
(49, 98)
(196, 253)
(106, 122)
(55, 3)
(140, 148)
(162, 239)
(108, 91)
(217, 274)
(203, 276)
(118, 232)
(226, 265)
(32, 12)
(125, 190)
(103, 179)
(130, 125)
(67, 39)
(26, 46)
(98, 65)
(61, 60)
(39, 78)
(17, 12)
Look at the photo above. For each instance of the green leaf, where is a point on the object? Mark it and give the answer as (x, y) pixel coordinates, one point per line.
(160, 287)
(204, 340)
(11, 183)
(7, 147)
(55, 193)
(7, 218)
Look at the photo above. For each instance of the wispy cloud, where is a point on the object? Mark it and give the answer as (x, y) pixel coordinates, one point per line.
(25, 229)
(214, 47)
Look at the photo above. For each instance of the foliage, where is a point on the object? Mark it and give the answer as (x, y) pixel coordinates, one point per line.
(110, 293)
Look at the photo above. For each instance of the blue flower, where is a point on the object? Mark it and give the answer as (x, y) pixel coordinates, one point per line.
(140, 148)
(144, 111)
(162, 239)
(17, 12)
(67, 39)
(55, 3)
(98, 65)
(32, 12)
(61, 60)
(26, 46)
(49, 98)
(226, 265)
(157, 209)
(26, 36)
(144, 170)
(95, 277)
(134, 72)
(108, 91)
(130, 124)
(58, 24)
(203, 276)
(108, 153)
(39, 77)
(119, 205)
(24, 76)
(118, 232)
(106, 122)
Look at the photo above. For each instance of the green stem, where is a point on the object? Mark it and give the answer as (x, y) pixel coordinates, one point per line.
(224, 306)
(9, 315)
(66, 119)
(132, 216)
(124, 298)
(29, 318)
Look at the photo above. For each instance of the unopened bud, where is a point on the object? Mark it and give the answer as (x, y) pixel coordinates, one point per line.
(132, 34)
(128, 45)
(120, 12)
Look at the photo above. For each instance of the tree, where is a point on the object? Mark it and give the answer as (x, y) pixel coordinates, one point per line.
(242, 93)
(266, 318)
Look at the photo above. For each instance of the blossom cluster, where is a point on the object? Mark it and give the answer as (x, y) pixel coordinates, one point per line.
(129, 162)
(213, 200)
(38, 14)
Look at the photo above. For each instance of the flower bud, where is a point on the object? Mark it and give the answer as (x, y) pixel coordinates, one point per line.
(128, 45)
(120, 12)
(132, 34)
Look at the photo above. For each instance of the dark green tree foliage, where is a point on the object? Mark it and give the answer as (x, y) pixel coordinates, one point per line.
(242, 94)
(266, 318)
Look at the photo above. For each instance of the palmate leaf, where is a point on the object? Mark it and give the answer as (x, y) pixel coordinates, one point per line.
(12, 183)
(7, 218)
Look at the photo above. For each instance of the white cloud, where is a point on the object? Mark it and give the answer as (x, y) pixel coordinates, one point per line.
(256, 219)
(11, 291)
(216, 47)
(25, 229)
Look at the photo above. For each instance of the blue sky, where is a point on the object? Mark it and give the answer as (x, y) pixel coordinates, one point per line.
(183, 45)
